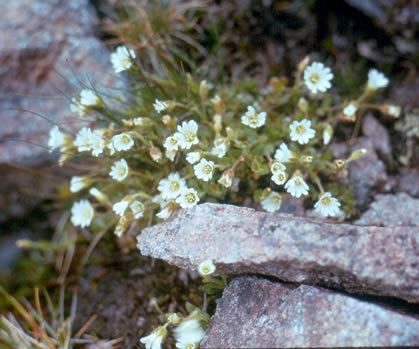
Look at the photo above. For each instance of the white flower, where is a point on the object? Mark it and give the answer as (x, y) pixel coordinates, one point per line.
(171, 144)
(350, 110)
(283, 154)
(172, 186)
(296, 186)
(301, 131)
(220, 148)
(82, 213)
(276, 167)
(187, 134)
(138, 121)
(317, 77)
(327, 205)
(122, 142)
(78, 183)
(159, 106)
(137, 208)
(327, 134)
(56, 138)
(170, 154)
(155, 339)
(253, 119)
(193, 157)
(204, 170)
(189, 331)
(206, 268)
(88, 98)
(97, 143)
(83, 139)
(77, 108)
(119, 170)
(121, 206)
(376, 80)
(279, 177)
(188, 198)
(272, 202)
(394, 110)
(122, 58)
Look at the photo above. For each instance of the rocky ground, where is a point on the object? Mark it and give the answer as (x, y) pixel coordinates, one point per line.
(363, 292)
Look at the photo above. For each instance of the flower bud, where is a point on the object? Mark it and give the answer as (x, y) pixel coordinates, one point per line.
(392, 110)
(155, 153)
(218, 124)
(340, 164)
(203, 89)
(302, 65)
(218, 104)
(303, 105)
(174, 318)
(306, 158)
(167, 120)
(327, 134)
(123, 224)
(227, 178)
(357, 154)
(98, 195)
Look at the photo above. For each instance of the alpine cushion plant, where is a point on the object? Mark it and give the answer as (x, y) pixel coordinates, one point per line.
(179, 140)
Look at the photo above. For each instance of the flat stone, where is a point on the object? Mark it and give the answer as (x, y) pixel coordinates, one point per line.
(392, 210)
(258, 313)
(368, 260)
(49, 49)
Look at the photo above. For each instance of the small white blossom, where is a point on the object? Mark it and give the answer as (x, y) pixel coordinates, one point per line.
(253, 119)
(97, 143)
(283, 154)
(170, 154)
(279, 177)
(189, 331)
(204, 170)
(155, 339)
(171, 144)
(78, 183)
(166, 212)
(119, 170)
(272, 202)
(187, 134)
(82, 213)
(77, 108)
(56, 139)
(317, 77)
(376, 80)
(350, 110)
(122, 142)
(188, 198)
(327, 205)
(83, 139)
(172, 186)
(138, 121)
(296, 186)
(137, 208)
(327, 134)
(159, 106)
(220, 148)
(276, 167)
(206, 268)
(121, 206)
(88, 98)
(394, 110)
(193, 157)
(301, 131)
(122, 58)
(227, 178)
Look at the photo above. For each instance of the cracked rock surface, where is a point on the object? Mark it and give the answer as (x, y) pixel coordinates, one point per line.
(258, 313)
(367, 260)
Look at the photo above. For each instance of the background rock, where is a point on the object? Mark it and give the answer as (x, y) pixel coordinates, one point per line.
(408, 181)
(392, 210)
(374, 260)
(48, 51)
(257, 313)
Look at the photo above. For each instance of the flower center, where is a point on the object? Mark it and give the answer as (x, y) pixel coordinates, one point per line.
(297, 181)
(121, 171)
(190, 346)
(174, 185)
(253, 119)
(300, 129)
(190, 136)
(190, 197)
(125, 140)
(86, 213)
(206, 269)
(207, 169)
(173, 141)
(326, 201)
(314, 78)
